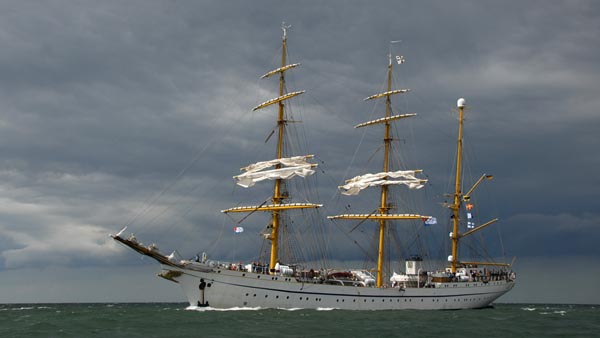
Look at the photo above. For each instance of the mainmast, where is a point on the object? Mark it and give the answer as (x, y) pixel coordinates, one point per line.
(385, 178)
(283, 167)
(383, 208)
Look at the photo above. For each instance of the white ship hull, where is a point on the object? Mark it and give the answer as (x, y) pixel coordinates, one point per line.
(230, 289)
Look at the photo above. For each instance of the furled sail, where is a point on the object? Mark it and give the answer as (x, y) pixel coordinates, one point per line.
(289, 167)
(381, 216)
(272, 207)
(407, 177)
(278, 99)
(388, 93)
(280, 70)
(384, 120)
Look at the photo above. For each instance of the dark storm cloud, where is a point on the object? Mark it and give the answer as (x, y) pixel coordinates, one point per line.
(106, 105)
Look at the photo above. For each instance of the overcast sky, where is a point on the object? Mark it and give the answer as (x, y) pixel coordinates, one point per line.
(138, 113)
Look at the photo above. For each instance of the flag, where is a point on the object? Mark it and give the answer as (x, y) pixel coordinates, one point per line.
(469, 206)
(430, 221)
(400, 59)
(238, 230)
(470, 225)
(469, 215)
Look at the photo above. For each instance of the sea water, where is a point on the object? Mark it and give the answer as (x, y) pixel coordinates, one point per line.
(178, 320)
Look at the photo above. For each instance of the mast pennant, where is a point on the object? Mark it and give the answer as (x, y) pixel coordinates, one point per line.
(407, 177)
(291, 166)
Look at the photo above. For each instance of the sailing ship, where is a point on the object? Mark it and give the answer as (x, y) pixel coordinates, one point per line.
(460, 285)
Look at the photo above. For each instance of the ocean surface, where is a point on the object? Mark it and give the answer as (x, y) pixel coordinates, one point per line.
(175, 320)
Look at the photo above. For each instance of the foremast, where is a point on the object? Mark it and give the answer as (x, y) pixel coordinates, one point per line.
(459, 197)
(283, 167)
(386, 178)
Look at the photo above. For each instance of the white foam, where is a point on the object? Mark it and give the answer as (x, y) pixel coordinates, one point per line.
(562, 313)
(208, 308)
(326, 308)
(290, 309)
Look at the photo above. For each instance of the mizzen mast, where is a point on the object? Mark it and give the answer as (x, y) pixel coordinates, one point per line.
(459, 197)
(457, 187)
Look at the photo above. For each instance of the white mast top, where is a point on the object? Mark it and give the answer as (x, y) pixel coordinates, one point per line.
(284, 27)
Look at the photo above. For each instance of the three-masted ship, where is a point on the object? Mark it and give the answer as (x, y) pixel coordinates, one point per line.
(212, 283)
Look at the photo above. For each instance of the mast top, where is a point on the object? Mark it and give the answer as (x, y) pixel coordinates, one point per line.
(398, 58)
(285, 27)
(461, 103)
